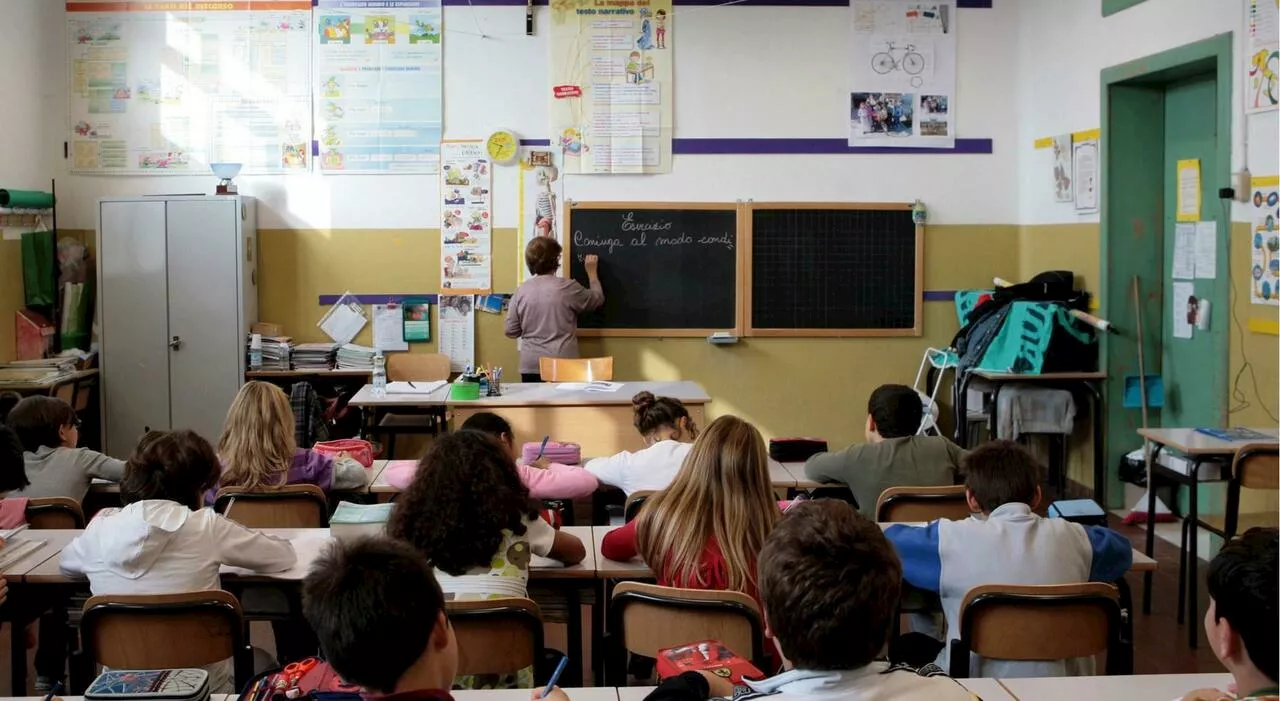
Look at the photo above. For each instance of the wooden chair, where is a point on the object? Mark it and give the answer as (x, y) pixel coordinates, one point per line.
(290, 506)
(631, 508)
(161, 631)
(47, 513)
(576, 369)
(645, 618)
(1041, 622)
(922, 504)
(413, 367)
(496, 636)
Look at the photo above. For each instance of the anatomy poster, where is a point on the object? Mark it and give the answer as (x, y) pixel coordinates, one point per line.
(466, 227)
(1262, 55)
(378, 86)
(541, 196)
(903, 73)
(611, 85)
(1264, 248)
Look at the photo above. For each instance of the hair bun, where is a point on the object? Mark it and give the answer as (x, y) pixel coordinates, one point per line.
(643, 400)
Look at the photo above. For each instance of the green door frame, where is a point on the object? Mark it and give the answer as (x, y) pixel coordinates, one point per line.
(1132, 218)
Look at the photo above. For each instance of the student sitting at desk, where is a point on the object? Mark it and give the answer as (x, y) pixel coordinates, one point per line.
(49, 430)
(668, 435)
(544, 310)
(162, 542)
(1008, 544)
(894, 454)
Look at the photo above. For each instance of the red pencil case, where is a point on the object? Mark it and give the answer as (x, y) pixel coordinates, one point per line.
(706, 655)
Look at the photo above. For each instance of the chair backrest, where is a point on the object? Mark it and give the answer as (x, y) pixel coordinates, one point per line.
(290, 506)
(631, 508)
(496, 636)
(48, 513)
(576, 369)
(427, 367)
(1038, 622)
(919, 504)
(649, 618)
(162, 631)
(1257, 466)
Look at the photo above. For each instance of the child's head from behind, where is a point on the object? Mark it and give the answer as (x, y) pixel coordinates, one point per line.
(494, 425)
(378, 613)
(998, 473)
(465, 493)
(257, 442)
(893, 411)
(829, 582)
(1241, 623)
(174, 465)
(46, 422)
(723, 491)
(662, 418)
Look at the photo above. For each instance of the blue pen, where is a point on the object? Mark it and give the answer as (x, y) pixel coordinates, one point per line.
(57, 687)
(542, 449)
(555, 676)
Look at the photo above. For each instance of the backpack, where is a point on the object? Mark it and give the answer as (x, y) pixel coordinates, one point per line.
(311, 679)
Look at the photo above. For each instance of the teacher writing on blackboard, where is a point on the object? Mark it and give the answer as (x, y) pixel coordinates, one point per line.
(544, 310)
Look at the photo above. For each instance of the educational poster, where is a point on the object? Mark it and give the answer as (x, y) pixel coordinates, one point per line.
(1062, 190)
(466, 225)
(458, 330)
(1262, 55)
(903, 73)
(1084, 169)
(611, 85)
(541, 193)
(169, 87)
(378, 86)
(1265, 247)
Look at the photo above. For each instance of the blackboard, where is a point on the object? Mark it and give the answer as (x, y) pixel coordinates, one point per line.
(668, 269)
(834, 270)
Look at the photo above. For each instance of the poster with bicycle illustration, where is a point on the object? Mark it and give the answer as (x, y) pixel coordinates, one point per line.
(903, 73)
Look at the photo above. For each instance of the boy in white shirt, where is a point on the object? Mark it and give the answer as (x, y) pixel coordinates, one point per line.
(668, 433)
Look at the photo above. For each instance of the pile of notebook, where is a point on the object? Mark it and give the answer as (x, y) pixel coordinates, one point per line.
(275, 352)
(314, 356)
(353, 357)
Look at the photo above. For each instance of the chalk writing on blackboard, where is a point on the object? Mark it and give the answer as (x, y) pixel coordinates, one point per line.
(657, 233)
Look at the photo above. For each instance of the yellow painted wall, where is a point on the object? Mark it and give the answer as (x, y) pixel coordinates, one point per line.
(786, 386)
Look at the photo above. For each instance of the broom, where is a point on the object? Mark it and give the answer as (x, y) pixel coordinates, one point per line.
(1138, 513)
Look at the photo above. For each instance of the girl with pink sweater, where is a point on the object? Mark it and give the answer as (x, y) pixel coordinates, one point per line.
(545, 479)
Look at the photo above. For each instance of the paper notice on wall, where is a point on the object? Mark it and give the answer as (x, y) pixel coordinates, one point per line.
(1185, 309)
(1084, 167)
(466, 228)
(1207, 249)
(1184, 251)
(1062, 190)
(1261, 55)
(388, 328)
(1188, 171)
(1264, 246)
(344, 320)
(458, 330)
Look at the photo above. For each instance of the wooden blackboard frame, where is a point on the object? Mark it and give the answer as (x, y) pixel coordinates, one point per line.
(746, 221)
(742, 251)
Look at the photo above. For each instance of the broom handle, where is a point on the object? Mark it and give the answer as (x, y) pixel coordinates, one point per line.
(1142, 376)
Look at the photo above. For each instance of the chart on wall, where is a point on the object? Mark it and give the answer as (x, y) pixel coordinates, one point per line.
(1264, 247)
(903, 83)
(611, 85)
(378, 86)
(169, 87)
(466, 211)
(1262, 55)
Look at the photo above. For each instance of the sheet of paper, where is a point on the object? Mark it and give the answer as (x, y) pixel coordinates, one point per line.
(414, 387)
(1084, 167)
(458, 330)
(1189, 190)
(1184, 251)
(388, 328)
(602, 386)
(342, 322)
(1183, 302)
(1207, 249)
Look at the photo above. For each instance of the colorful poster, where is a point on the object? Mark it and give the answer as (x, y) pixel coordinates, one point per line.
(378, 86)
(904, 73)
(417, 320)
(1262, 55)
(171, 87)
(458, 331)
(541, 194)
(466, 227)
(1265, 246)
(611, 85)
(1062, 190)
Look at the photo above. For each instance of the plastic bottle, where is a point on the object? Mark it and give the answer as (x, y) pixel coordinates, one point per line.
(379, 375)
(255, 351)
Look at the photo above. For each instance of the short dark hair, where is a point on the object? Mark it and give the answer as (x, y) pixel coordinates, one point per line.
(830, 582)
(896, 409)
(1243, 583)
(13, 467)
(542, 255)
(490, 423)
(174, 465)
(653, 413)
(37, 420)
(373, 604)
(1000, 472)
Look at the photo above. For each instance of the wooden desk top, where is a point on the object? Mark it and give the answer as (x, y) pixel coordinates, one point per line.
(614, 569)
(54, 542)
(56, 382)
(365, 398)
(1127, 688)
(1040, 377)
(603, 693)
(1193, 442)
(548, 394)
(780, 475)
(802, 482)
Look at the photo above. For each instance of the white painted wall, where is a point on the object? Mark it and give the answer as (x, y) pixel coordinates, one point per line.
(1062, 47)
(30, 86)
(740, 72)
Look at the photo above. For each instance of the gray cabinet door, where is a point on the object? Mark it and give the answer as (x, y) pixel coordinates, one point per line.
(134, 303)
(206, 336)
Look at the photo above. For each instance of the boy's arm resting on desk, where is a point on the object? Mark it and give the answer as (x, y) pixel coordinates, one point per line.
(1112, 554)
(240, 547)
(619, 544)
(918, 549)
(96, 464)
(824, 467)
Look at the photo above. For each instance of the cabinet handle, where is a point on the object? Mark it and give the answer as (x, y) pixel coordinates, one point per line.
(176, 343)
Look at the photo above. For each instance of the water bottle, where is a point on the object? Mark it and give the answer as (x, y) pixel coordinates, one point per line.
(255, 351)
(379, 375)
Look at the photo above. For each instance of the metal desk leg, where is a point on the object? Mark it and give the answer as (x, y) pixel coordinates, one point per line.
(961, 403)
(575, 635)
(1193, 516)
(598, 652)
(1151, 529)
(993, 416)
(1099, 454)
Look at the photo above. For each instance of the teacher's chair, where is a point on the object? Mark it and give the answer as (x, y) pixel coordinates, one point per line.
(413, 367)
(576, 369)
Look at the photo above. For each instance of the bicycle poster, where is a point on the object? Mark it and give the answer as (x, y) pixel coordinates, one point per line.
(903, 73)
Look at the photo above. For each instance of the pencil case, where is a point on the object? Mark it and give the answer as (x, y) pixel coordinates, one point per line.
(563, 453)
(795, 449)
(150, 685)
(360, 451)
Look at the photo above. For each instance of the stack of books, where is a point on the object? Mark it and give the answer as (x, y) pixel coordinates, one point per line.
(275, 352)
(353, 357)
(314, 356)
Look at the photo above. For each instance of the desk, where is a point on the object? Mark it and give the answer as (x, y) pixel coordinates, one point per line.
(802, 482)
(1199, 449)
(374, 471)
(1143, 687)
(988, 689)
(414, 413)
(589, 694)
(55, 542)
(601, 422)
(77, 388)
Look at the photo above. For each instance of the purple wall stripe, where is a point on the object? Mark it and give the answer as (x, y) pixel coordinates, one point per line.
(963, 4)
(757, 147)
(326, 300)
